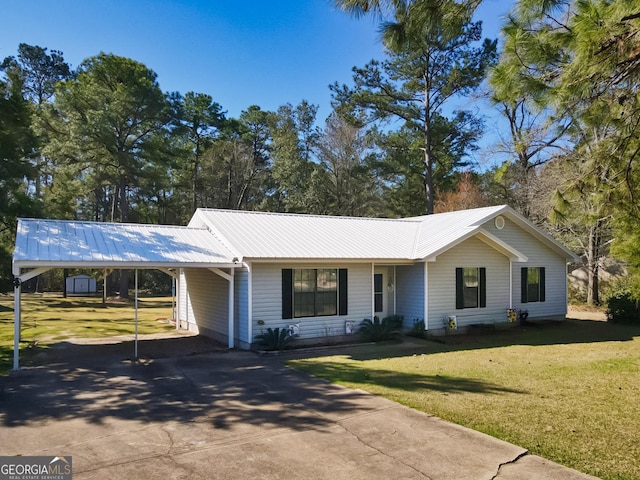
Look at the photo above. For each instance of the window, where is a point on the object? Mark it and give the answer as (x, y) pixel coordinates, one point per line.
(312, 292)
(377, 292)
(471, 287)
(533, 284)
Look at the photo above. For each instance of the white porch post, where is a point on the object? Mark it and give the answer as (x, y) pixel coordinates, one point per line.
(135, 341)
(426, 295)
(373, 291)
(16, 326)
(174, 301)
(395, 289)
(231, 308)
(510, 284)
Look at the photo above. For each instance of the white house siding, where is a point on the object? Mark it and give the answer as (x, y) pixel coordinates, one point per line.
(539, 255)
(442, 284)
(410, 293)
(207, 303)
(267, 300)
(241, 301)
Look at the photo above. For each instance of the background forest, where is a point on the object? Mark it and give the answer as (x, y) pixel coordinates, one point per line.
(102, 141)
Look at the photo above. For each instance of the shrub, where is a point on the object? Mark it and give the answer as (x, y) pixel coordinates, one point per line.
(622, 306)
(396, 321)
(377, 331)
(274, 338)
(418, 328)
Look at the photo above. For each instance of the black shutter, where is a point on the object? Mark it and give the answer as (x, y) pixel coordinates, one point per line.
(483, 287)
(287, 293)
(342, 291)
(459, 289)
(523, 285)
(542, 285)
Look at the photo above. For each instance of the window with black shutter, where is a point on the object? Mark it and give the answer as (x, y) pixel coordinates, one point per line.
(471, 287)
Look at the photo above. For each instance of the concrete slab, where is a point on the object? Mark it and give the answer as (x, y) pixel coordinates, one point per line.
(234, 415)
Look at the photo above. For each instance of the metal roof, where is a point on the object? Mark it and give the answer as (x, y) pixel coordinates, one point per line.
(49, 243)
(223, 238)
(259, 235)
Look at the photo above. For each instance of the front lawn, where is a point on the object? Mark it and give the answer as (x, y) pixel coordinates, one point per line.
(566, 391)
(48, 319)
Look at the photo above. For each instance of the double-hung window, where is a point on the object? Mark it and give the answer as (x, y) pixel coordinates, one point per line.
(532, 284)
(471, 287)
(314, 292)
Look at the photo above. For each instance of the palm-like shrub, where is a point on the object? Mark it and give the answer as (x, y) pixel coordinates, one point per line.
(275, 338)
(377, 330)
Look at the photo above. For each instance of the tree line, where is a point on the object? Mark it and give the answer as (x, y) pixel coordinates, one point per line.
(103, 142)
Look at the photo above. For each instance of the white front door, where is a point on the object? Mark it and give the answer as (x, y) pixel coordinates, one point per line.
(380, 293)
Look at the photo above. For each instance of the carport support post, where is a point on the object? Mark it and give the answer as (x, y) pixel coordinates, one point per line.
(16, 326)
(135, 342)
(231, 309)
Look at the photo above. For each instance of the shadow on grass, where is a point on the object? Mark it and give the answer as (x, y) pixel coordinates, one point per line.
(90, 303)
(409, 382)
(538, 333)
(175, 382)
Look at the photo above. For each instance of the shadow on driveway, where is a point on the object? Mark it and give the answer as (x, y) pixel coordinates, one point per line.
(173, 381)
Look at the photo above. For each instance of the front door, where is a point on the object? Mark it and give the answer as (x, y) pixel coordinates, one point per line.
(380, 295)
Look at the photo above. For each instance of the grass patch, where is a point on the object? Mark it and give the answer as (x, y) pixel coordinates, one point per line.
(48, 319)
(565, 391)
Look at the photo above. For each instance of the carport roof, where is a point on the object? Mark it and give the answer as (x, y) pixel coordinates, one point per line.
(63, 243)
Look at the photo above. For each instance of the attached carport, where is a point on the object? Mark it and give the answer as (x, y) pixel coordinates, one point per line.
(45, 244)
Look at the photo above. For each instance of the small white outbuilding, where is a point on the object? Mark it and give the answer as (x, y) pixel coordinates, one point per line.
(81, 285)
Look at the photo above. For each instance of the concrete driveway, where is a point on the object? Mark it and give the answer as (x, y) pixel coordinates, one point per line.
(203, 414)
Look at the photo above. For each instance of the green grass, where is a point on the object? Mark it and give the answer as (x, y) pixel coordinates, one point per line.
(48, 319)
(569, 392)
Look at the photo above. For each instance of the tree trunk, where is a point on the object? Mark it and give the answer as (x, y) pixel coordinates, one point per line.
(65, 274)
(593, 264)
(428, 154)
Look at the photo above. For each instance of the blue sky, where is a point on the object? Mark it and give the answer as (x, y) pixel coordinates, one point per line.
(241, 53)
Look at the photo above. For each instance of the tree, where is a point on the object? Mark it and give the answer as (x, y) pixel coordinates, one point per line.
(467, 195)
(17, 142)
(200, 119)
(579, 58)
(110, 122)
(343, 178)
(236, 166)
(294, 142)
(40, 71)
(430, 64)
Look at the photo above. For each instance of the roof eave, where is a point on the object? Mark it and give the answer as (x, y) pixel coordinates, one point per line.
(143, 265)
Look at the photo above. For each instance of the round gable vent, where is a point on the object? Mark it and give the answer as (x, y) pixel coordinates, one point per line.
(499, 222)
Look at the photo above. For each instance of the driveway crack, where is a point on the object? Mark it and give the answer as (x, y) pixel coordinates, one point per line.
(510, 462)
(357, 437)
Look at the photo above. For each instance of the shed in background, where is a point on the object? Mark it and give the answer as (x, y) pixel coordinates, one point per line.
(81, 284)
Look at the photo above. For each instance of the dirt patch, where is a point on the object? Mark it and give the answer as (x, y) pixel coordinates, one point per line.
(584, 313)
